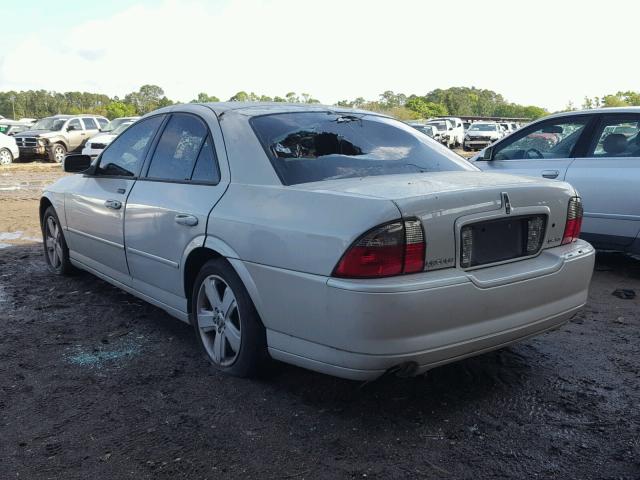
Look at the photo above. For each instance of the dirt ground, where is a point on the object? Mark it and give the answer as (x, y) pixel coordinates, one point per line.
(95, 383)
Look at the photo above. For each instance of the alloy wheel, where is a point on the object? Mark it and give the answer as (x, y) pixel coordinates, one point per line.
(58, 154)
(53, 243)
(218, 320)
(5, 157)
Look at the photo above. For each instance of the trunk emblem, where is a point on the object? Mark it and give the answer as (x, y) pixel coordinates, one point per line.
(506, 203)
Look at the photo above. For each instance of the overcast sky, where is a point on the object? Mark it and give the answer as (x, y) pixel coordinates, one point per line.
(538, 52)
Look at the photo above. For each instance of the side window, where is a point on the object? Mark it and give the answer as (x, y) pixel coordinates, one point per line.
(124, 156)
(103, 122)
(552, 139)
(616, 136)
(89, 124)
(178, 148)
(74, 124)
(206, 168)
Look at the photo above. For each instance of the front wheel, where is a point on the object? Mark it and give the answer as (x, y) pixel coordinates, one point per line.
(56, 252)
(57, 153)
(6, 157)
(227, 324)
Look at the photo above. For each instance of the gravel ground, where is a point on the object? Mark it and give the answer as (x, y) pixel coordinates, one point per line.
(97, 384)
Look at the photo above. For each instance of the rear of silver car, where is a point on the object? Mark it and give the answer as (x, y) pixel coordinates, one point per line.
(498, 267)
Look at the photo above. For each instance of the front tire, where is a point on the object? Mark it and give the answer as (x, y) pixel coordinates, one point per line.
(6, 157)
(226, 322)
(57, 152)
(56, 252)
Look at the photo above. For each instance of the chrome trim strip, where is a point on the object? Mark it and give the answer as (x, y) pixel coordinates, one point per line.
(97, 239)
(150, 256)
(611, 216)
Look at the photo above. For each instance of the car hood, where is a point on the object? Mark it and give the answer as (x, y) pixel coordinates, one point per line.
(479, 133)
(37, 133)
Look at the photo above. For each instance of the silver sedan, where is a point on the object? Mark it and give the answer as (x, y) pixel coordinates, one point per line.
(598, 152)
(338, 240)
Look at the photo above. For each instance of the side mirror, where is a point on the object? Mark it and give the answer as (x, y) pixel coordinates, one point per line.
(488, 153)
(76, 163)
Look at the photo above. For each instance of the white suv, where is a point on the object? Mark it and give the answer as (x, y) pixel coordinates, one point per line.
(481, 134)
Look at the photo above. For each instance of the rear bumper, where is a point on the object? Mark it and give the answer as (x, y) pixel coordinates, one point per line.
(360, 329)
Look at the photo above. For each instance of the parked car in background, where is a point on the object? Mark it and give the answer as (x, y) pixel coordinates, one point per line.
(457, 132)
(598, 152)
(96, 144)
(116, 122)
(8, 149)
(507, 128)
(445, 131)
(54, 136)
(481, 134)
(428, 130)
(11, 127)
(225, 216)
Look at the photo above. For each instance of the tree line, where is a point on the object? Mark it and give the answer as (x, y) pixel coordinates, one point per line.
(460, 101)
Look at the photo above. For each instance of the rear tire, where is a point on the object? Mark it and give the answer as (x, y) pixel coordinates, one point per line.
(227, 325)
(56, 252)
(57, 152)
(6, 157)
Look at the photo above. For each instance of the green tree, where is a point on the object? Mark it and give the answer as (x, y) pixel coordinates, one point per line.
(292, 97)
(241, 96)
(205, 98)
(119, 109)
(614, 101)
(147, 99)
(424, 108)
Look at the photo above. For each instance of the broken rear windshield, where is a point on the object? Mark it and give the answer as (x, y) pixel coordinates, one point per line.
(314, 146)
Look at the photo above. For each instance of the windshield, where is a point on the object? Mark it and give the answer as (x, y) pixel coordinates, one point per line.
(483, 127)
(121, 128)
(439, 125)
(113, 124)
(316, 146)
(49, 123)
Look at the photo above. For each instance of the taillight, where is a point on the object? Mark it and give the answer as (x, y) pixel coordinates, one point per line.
(390, 249)
(574, 221)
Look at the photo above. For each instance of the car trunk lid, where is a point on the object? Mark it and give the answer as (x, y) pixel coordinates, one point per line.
(499, 205)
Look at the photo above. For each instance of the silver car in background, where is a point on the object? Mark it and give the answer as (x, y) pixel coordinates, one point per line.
(598, 152)
(338, 240)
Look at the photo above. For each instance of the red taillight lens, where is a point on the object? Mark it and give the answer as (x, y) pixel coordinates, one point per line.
(387, 250)
(574, 221)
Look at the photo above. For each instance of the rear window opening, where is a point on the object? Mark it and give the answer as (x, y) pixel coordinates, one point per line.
(315, 146)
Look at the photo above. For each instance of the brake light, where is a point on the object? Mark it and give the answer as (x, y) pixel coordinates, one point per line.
(574, 221)
(390, 249)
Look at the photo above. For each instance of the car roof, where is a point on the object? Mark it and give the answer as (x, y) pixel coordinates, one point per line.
(252, 109)
(595, 111)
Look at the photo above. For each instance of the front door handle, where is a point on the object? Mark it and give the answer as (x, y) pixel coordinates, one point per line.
(550, 173)
(113, 204)
(186, 219)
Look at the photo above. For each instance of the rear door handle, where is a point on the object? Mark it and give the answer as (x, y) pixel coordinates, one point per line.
(186, 219)
(550, 173)
(113, 204)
